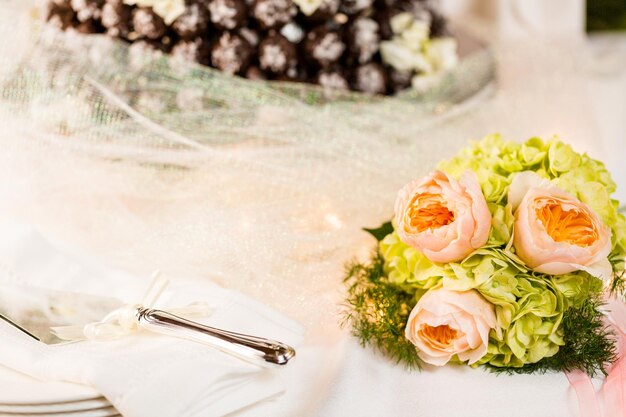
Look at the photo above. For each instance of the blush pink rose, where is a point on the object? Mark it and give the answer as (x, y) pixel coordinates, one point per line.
(445, 323)
(443, 218)
(554, 232)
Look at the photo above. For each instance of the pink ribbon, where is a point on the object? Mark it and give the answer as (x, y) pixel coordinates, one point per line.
(610, 401)
(588, 403)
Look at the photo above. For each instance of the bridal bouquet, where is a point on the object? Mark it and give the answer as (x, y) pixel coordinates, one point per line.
(500, 257)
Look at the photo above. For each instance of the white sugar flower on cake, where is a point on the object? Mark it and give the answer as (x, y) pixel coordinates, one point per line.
(308, 7)
(411, 49)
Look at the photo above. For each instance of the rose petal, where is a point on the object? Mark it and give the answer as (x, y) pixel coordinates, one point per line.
(521, 183)
(435, 360)
(601, 269)
(480, 210)
(467, 325)
(472, 356)
(471, 302)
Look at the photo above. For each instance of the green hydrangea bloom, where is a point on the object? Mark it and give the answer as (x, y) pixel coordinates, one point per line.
(529, 306)
(407, 266)
(501, 224)
(561, 158)
(619, 235)
(532, 153)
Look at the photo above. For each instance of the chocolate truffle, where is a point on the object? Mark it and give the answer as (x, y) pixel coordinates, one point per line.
(363, 39)
(370, 78)
(87, 9)
(116, 18)
(273, 13)
(332, 80)
(352, 7)
(194, 50)
(89, 26)
(148, 24)
(60, 15)
(228, 14)
(231, 53)
(278, 56)
(193, 22)
(324, 47)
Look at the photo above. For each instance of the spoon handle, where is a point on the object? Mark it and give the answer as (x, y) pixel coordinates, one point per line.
(253, 349)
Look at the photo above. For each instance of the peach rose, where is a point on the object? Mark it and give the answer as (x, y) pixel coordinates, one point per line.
(445, 323)
(443, 218)
(554, 232)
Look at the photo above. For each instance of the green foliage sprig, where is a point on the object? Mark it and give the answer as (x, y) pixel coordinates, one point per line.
(378, 311)
(618, 283)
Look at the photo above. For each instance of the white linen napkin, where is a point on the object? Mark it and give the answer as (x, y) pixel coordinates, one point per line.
(142, 374)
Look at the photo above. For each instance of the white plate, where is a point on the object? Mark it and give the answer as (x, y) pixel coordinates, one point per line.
(104, 412)
(61, 407)
(20, 389)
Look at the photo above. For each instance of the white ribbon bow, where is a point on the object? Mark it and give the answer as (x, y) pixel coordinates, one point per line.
(123, 321)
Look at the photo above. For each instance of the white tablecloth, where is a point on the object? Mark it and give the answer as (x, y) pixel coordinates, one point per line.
(541, 90)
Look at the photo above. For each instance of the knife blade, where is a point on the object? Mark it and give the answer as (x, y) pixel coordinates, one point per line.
(36, 311)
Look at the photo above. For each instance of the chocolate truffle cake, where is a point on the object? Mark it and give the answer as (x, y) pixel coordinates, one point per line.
(370, 46)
